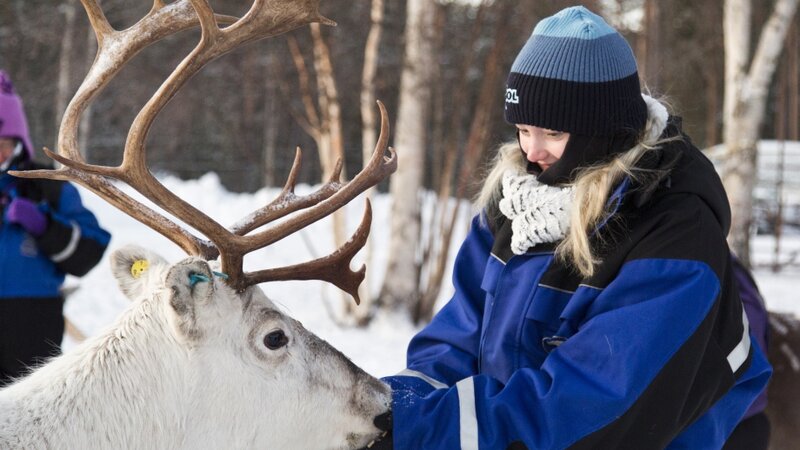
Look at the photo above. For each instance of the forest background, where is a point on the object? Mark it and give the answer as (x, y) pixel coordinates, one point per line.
(243, 115)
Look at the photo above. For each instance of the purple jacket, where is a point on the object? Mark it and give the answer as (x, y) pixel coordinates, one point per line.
(756, 312)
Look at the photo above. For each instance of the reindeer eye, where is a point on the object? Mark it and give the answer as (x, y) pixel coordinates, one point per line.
(275, 340)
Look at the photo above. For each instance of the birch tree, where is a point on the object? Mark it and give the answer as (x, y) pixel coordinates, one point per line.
(369, 134)
(325, 125)
(64, 59)
(400, 284)
(746, 89)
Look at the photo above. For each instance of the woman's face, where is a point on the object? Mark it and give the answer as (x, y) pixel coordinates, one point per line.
(6, 148)
(542, 146)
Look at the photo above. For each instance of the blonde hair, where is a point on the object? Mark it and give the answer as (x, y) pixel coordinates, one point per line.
(593, 186)
(508, 157)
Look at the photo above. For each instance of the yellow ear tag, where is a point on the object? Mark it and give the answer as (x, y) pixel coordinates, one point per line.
(139, 267)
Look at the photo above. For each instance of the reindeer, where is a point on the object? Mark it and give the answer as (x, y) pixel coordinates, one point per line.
(202, 358)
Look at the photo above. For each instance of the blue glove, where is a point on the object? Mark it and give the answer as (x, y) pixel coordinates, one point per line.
(26, 214)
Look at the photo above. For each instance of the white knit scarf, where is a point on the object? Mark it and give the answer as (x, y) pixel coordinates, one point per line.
(539, 213)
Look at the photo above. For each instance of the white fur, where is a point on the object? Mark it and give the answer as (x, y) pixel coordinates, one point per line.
(657, 116)
(185, 367)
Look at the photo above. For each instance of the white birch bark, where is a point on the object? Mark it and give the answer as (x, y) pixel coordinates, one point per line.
(744, 107)
(369, 135)
(270, 130)
(64, 61)
(331, 143)
(369, 117)
(400, 286)
(85, 127)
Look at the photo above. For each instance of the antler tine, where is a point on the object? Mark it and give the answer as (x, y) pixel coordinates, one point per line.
(334, 268)
(214, 42)
(261, 21)
(97, 19)
(378, 168)
(114, 50)
(264, 15)
(286, 202)
(103, 188)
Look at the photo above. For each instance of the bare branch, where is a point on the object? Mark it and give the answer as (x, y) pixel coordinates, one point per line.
(305, 90)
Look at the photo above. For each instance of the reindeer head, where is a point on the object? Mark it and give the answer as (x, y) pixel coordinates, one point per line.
(246, 359)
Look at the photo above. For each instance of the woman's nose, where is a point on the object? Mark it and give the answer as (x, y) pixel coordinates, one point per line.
(533, 150)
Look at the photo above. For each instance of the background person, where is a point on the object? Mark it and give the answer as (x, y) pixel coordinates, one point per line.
(45, 233)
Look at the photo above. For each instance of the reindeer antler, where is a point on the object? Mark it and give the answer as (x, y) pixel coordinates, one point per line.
(264, 19)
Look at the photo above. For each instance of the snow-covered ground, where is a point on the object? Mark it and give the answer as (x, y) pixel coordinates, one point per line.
(380, 348)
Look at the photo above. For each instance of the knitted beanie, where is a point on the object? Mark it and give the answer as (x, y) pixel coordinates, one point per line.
(576, 74)
(12, 115)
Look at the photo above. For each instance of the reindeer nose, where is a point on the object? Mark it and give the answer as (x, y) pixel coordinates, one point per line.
(384, 421)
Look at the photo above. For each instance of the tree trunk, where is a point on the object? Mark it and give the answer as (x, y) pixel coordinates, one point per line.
(369, 117)
(85, 127)
(650, 45)
(470, 156)
(328, 98)
(270, 125)
(712, 106)
(64, 63)
(250, 73)
(744, 106)
(331, 142)
(400, 286)
(447, 134)
(369, 137)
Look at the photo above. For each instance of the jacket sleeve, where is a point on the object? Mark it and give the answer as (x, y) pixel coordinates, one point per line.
(74, 241)
(619, 382)
(446, 351)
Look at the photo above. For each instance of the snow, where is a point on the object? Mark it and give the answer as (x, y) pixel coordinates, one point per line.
(379, 348)
(778, 168)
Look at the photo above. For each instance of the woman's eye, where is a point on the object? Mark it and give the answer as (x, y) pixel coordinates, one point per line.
(275, 339)
(555, 134)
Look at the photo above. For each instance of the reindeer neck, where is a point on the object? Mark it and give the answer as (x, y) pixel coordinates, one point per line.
(115, 390)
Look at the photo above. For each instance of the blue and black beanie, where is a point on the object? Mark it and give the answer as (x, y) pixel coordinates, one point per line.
(576, 74)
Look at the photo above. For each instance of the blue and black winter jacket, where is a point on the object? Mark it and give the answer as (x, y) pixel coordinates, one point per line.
(653, 351)
(73, 242)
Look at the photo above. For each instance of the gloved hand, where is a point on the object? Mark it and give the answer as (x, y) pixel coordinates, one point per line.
(26, 214)
(384, 442)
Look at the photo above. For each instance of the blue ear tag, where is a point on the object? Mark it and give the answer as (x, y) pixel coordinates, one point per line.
(195, 278)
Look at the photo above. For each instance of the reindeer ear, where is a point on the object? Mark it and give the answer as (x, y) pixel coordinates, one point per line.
(134, 268)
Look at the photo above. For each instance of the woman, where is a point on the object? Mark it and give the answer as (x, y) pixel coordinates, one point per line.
(594, 301)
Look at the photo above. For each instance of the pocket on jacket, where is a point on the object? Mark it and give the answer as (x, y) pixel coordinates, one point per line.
(542, 321)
